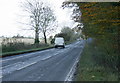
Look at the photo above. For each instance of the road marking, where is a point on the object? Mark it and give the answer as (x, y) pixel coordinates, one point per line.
(1, 76)
(1, 73)
(25, 55)
(22, 65)
(56, 54)
(32, 54)
(18, 57)
(72, 71)
(9, 65)
(26, 66)
(47, 57)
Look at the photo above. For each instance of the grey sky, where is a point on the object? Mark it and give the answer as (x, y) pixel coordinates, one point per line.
(11, 14)
(93, 0)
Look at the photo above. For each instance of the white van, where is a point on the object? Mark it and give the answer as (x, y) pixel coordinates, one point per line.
(59, 42)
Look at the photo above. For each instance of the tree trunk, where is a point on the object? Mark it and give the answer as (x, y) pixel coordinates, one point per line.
(45, 38)
(36, 37)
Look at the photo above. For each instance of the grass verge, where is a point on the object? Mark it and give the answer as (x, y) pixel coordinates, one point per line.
(11, 49)
(89, 70)
(24, 51)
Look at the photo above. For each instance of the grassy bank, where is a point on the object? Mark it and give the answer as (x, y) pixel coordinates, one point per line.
(16, 47)
(24, 51)
(20, 48)
(90, 70)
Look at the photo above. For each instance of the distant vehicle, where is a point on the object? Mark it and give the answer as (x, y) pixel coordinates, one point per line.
(59, 42)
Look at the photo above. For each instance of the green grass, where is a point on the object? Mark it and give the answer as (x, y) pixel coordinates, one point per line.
(20, 48)
(89, 70)
(25, 50)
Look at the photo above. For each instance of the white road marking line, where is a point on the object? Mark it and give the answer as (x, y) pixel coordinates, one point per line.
(22, 65)
(26, 66)
(1, 76)
(18, 57)
(47, 57)
(1, 73)
(24, 55)
(9, 65)
(16, 67)
(71, 72)
(55, 54)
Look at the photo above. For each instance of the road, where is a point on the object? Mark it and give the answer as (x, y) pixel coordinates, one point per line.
(56, 64)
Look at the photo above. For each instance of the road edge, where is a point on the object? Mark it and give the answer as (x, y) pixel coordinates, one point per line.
(72, 72)
(13, 54)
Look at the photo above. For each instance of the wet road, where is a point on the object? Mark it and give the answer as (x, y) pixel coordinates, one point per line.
(48, 65)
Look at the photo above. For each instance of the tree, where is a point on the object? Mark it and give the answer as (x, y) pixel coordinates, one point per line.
(67, 30)
(68, 34)
(64, 35)
(18, 36)
(41, 16)
(76, 15)
(101, 22)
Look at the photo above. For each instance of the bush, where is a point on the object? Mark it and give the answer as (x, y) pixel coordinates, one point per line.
(90, 70)
(8, 46)
(105, 55)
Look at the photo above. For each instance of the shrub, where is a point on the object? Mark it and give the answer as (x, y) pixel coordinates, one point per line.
(8, 46)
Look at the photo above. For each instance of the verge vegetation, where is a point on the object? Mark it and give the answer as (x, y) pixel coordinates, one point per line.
(16, 47)
(101, 22)
(89, 68)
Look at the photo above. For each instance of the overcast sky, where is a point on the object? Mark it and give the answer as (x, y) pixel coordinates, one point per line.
(8, 11)
(11, 14)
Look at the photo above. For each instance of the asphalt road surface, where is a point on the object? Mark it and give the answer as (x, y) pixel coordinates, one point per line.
(56, 64)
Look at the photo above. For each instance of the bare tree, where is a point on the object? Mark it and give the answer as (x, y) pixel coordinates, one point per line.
(41, 16)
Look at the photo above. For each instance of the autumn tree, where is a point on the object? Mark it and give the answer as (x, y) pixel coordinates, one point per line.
(101, 22)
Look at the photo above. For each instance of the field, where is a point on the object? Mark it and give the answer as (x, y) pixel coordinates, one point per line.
(11, 46)
(11, 40)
